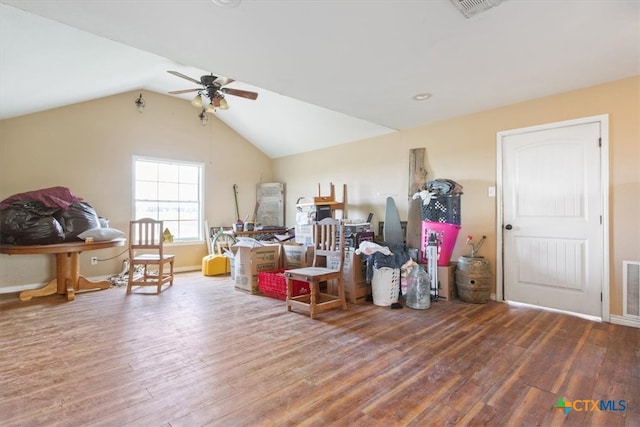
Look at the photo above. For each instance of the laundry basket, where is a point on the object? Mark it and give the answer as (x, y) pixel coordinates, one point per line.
(385, 286)
(446, 234)
(444, 208)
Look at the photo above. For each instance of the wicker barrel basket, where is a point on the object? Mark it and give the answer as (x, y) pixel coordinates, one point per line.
(473, 279)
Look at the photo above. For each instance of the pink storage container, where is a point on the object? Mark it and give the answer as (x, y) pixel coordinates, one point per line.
(446, 235)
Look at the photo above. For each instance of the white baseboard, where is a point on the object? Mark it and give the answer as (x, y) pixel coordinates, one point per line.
(188, 268)
(20, 288)
(624, 321)
(29, 286)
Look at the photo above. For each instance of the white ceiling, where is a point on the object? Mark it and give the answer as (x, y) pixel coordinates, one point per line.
(328, 72)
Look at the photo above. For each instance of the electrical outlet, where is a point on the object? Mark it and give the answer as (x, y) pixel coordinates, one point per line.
(94, 260)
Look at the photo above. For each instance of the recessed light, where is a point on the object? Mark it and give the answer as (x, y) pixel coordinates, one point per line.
(227, 4)
(422, 96)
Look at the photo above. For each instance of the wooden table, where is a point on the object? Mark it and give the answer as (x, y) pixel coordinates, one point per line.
(68, 279)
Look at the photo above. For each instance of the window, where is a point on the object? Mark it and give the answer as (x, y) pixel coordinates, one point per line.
(170, 191)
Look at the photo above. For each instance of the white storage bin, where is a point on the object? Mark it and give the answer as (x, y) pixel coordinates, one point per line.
(385, 286)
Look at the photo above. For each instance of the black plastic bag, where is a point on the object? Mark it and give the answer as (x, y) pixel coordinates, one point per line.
(30, 223)
(79, 217)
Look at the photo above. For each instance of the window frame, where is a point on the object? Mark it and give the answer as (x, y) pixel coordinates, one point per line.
(201, 173)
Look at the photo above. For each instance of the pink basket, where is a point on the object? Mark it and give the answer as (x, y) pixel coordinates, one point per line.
(446, 235)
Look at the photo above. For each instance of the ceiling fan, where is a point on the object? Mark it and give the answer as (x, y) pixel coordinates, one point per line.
(212, 88)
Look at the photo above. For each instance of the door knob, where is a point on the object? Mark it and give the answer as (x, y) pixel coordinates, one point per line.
(508, 227)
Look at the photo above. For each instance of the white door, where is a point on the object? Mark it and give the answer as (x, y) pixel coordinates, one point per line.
(552, 212)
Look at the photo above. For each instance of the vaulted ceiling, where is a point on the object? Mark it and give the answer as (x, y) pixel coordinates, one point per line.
(327, 72)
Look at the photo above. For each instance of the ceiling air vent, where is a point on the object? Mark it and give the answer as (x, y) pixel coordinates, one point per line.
(473, 7)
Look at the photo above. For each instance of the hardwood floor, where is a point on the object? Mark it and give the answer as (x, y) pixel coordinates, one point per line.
(202, 353)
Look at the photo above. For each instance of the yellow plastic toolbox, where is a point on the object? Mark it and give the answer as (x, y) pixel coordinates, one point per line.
(213, 265)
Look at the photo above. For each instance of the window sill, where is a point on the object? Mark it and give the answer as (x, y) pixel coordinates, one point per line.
(185, 243)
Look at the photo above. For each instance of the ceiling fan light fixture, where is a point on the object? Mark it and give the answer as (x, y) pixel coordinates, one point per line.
(212, 89)
(140, 103)
(203, 117)
(197, 101)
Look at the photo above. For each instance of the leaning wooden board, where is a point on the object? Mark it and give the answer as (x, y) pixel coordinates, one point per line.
(417, 170)
(417, 180)
(414, 224)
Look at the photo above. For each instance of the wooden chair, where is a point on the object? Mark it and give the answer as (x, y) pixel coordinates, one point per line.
(146, 250)
(328, 238)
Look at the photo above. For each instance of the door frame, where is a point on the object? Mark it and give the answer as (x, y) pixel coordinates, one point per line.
(603, 120)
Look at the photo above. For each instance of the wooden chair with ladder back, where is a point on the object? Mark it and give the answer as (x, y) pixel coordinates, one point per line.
(146, 251)
(328, 259)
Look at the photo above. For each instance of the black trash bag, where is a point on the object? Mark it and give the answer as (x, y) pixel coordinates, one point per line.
(28, 209)
(30, 223)
(79, 217)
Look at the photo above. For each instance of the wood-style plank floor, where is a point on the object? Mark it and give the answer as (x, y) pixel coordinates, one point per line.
(202, 353)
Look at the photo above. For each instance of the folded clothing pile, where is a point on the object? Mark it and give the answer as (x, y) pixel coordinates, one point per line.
(443, 187)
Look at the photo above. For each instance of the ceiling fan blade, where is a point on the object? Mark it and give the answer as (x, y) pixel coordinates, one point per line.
(216, 102)
(222, 81)
(178, 92)
(177, 74)
(240, 93)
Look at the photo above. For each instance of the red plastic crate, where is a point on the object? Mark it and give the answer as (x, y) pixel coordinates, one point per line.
(273, 284)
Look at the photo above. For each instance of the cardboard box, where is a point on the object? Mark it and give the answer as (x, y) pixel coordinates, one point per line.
(447, 282)
(350, 229)
(353, 269)
(296, 255)
(304, 234)
(354, 275)
(307, 214)
(231, 256)
(305, 217)
(355, 239)
(252, 258)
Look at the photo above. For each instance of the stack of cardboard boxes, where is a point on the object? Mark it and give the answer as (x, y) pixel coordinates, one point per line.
(252, 257)
(353, 269)
(446, 282)
(354, 276)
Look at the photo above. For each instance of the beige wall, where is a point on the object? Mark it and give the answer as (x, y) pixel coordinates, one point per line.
(88, 147)
(53, 148)
(464, 149)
